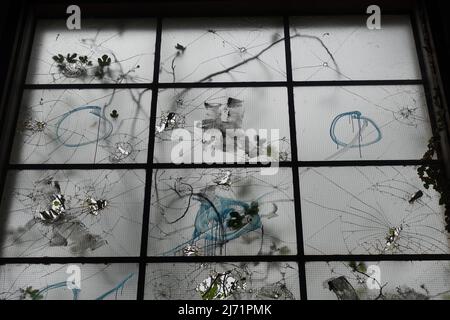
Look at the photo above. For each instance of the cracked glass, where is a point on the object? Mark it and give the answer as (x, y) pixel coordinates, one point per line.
(102, 127)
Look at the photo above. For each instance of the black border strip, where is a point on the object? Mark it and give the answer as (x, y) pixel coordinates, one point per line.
(203, 259)
(299, 164)
(250, 84)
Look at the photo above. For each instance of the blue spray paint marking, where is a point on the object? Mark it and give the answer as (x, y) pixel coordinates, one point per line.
(116, 289)
(363, 122)
(212, 221)
(58, 285)
(76, 292)
(207, 221)
(96, 111)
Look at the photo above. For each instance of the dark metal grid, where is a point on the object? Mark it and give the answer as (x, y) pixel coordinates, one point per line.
(294, 155)
(295, 164)
(250, 84)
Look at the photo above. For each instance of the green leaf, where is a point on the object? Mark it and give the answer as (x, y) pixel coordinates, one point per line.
(284, 251)
(211, 293)
(362, 267)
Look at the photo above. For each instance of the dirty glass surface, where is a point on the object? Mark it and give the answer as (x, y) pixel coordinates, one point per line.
(234, 112)
(222, 49)
(102, 51)
(387, 211)
(83, 126)
(72, 213)
(233, 281)
(222, 212)
(362, 123)
(343, 48)
(49, 282)
(394, 280)
(94, 168)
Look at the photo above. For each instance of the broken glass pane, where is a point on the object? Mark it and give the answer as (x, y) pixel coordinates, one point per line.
(343, 48)
(102, 51)
(370, 210)
(218, 281)
(222, 212)
(361, 123)
(83, 126)
(245, 124)
(52, 282)
(386, 280)
(222, 49)
(72, 213)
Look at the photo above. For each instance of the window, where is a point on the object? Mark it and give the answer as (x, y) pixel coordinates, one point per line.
(109, 167)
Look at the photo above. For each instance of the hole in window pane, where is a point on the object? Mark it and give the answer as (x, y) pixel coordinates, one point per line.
(83, 126)
(222, 125)
(362, 123)
(222, 49)
(208, 212)
(400, 280)
(128, 45)
(49, 282)
(216, 281)
(343, 48)
(72, 213)
(370, 210)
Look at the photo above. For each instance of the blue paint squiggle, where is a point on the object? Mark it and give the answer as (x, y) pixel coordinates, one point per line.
(354, 115)
(222, 220)
(208, 221)
(76, 292)
(96, 111)
(116, 289)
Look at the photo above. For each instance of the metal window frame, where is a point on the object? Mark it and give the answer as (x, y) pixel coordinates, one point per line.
(15, 85)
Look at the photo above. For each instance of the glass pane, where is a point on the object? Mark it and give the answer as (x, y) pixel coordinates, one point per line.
(222, 212)
(129, 47)
(343, 48)
(222, 49)
(234, 114)
(83, 126)
(370, 210)
(72, 213)
(49, 282)
(214, 281)
(362, 123)
(401, 280)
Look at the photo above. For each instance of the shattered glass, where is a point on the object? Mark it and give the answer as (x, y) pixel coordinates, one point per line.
(101, 214)
(218, 281)
(374, 215)
(343, 48)
(361, 123)
(222, 49)
(194, 213)
(49, 282)
(76, 126)
(396, 280)
(235, 112)
(128, 44)
(235, 211)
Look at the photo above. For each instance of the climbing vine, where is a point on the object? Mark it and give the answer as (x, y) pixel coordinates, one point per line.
(434, 176)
